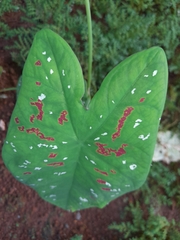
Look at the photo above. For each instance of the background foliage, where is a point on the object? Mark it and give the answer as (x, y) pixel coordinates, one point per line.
(127, 27)
(145, 214)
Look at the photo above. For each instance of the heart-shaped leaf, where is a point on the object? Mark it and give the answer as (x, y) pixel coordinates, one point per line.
(77, 158)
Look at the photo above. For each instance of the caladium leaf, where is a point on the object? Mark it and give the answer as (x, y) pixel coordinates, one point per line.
(77, 158)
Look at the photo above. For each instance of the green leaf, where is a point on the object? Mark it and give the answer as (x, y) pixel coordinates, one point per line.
(78, 158)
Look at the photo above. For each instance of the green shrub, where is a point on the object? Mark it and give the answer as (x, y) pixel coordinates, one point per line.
(151, 226)
(144, 218)
(127, 27)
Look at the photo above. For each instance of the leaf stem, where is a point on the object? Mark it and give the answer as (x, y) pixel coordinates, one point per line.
(90, 42)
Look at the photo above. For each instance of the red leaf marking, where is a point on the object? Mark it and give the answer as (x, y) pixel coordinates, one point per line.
(38, 83)
(62, 117)
(16, 120)
(120, 151)
(106, 189)
(142, 100)
(107, 151)
(102, 150)
(52, 155)
(21, 128)
(39, 106)
(101, 181)
(38, 63)
(25, 173)
(121, 121)
(39, 134)
(100, 171)
(113, 171)
(55, 164)
(32, 117)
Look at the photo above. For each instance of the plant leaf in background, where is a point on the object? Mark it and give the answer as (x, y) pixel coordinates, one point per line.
(78, 158)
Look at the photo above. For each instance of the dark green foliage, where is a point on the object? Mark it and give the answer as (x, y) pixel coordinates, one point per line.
(127, 27)
(167, 182)
(152, 226)
(146, 214)
(77, 237)
(7, 6)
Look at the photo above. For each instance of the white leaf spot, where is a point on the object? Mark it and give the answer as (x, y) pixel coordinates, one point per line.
(133, 166)
(143, 137)
(154, 73)
(44, 53)
(52, 195)
(133, 90)
(89, 145)
(22, 166)
(146, 75)
(97, 138)
(101, 116)
(92, 191)
(51, 71)
(65, 158)
(49, 59)
(46, 78)
(113, 190)
(31, 147)
(124, 161)
(93, 162)
(55, 147)
(108, 184)
(64, 142)
(12, 144)
(138, 120)
(15, 150)
(45, 160)
(42, 96)
(63, 73)
(83, 199)
(27, 161)
(104, 134)
(52, 187)
(113, 101)
(148, 91)
(86, 157)
(40, 179)
(90, 127)
(69, 86)
(37, 168)
(135, 125)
